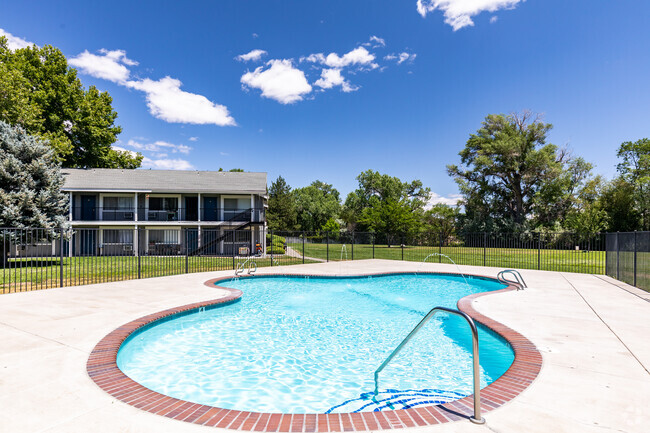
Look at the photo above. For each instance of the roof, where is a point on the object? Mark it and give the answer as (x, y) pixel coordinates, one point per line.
(167, 181)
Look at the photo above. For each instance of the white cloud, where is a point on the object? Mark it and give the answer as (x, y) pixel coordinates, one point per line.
(493, 19)
(167, 164)
(379, 41)
(459, 13)
(168, 102)
(14, 42)
(359, 56)
(390, 57)
(280, 81)
(450, 200)
(159, 146)
(331, 78)
(254, 55)
(194, 138)
(108, 66)
(403, 57)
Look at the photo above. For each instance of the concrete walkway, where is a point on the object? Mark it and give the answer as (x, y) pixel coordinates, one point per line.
(593, 333)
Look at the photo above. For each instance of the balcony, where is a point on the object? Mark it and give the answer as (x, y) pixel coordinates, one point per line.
(254, 215)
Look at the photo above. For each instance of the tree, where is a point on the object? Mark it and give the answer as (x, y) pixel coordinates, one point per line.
(332, 228)
(512, 179)
(281, 214)
(39, 92)
(385, 204)
(588, 215)
(316, 204)
(635, 170)
(30, 182)
(618, 202)
(441, 219)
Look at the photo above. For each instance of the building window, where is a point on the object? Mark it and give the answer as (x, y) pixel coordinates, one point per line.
(163, 203)
(118, 203)
(164, 236)
(118, 236)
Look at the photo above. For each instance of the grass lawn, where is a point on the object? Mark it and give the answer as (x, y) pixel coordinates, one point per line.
(592, 262)
(35, 274)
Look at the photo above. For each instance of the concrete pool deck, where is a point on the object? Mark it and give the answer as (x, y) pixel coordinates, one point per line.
(592, 332)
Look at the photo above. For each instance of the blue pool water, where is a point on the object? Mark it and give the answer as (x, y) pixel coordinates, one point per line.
(311, 345)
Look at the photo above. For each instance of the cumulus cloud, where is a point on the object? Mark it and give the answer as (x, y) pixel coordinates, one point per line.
(168, 102)
(331, 78)
(14, 42)
(165, 99)
(493, 19)
(459, 13)
(166, 164)
(359, 56)
(193, 138)
(159, 146)
(121, 149)
(280, 81)
(110, 65)
(254, 55)
(401, 57)
(379, 42)
(450, 200)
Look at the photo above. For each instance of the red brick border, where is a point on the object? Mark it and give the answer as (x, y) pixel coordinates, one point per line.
(102, 369)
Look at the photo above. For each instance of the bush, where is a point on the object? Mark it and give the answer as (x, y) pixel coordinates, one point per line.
(275, 240)
(275, 250)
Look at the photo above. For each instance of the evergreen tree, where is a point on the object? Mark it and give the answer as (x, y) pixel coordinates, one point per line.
(281, 214)
(30, 182)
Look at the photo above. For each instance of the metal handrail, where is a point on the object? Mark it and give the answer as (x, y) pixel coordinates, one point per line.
(477, 419)
(520, 280)
(241, 266)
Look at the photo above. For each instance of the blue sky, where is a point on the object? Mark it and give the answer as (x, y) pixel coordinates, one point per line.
(344, 86)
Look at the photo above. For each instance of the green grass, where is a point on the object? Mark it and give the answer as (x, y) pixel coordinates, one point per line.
(35, 274)
(592, 262)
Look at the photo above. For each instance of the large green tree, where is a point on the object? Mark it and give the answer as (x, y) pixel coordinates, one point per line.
(281, 214)
(39, 92)
(30, 182)
(618, 202)
(512, 179)
(634, 169)
(316, 204)
(442, 220)
(385, 204)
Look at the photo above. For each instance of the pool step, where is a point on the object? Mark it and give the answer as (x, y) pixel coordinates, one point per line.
(392, 399)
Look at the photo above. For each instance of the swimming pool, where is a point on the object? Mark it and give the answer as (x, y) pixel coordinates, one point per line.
(311, 345)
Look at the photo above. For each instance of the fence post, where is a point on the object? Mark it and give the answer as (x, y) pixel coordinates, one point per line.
(618, 254)
(138, 233)
(484, 247)
(232, 235)
(327, 247)
(303, 248)
(186, 252)
(440, 247)
(271, 248)
(539, 251)
(61, 259)
(352, 245)
(373, 245)
(634, 259)
(402, 247)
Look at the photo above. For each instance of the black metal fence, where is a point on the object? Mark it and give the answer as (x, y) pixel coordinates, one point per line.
(628, 258)
(43, 258)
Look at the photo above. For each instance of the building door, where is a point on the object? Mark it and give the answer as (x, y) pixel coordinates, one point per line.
(211, 209)
(88, 208)
(191, 209)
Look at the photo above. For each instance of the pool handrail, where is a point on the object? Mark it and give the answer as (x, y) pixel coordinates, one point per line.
(476, 419)
(520, 283)
(241, 266)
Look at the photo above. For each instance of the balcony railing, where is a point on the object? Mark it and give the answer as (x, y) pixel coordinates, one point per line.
(255, 215)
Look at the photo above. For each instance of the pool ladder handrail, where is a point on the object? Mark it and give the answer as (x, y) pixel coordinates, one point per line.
(520, 283)
(242, 265)
(476, 419)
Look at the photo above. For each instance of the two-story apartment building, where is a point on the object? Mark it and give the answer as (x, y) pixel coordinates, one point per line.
(165, 211)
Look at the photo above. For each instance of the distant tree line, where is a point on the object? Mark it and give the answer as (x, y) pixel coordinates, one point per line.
(510, 179)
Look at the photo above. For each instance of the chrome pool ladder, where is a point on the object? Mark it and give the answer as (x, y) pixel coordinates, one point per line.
(241, 267)
(476, 419)
(521, 284)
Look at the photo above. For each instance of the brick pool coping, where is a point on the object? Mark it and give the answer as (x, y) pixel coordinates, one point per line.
(103, 370)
